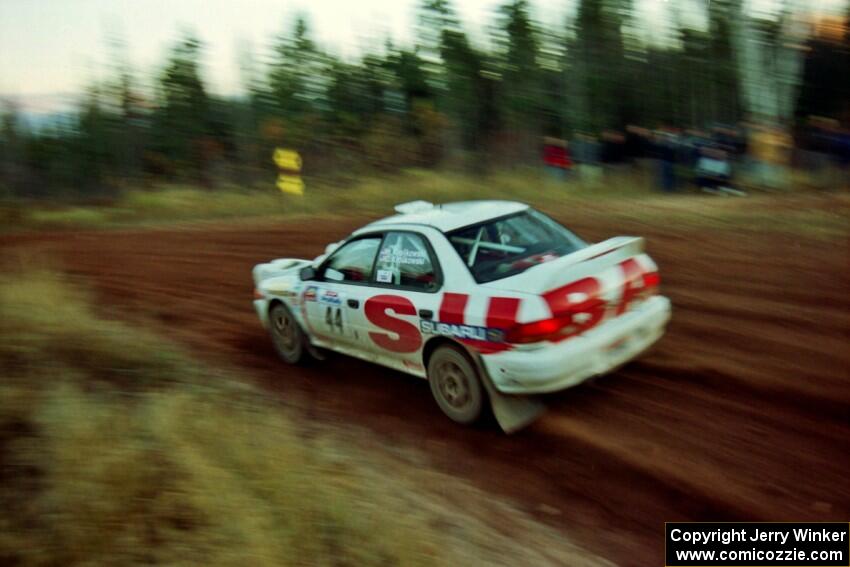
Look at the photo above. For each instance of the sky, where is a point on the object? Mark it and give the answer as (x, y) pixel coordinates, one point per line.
(53, 48)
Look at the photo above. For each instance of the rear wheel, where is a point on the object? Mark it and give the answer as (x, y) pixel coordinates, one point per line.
(287, 337)
(455, 384)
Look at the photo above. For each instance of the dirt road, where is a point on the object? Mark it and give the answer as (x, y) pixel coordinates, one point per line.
(741, 413)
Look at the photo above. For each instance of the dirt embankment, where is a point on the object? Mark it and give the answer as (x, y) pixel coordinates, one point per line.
(741, 412)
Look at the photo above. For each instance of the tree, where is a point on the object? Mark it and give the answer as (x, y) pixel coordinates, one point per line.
(770, 57)
(470, 94)
(435, 18)
(182, 119)
(299, 78)
(825, 86)
(521, 93)
(455, 74)
(10, 150)
(92, 143)
(596, 57)
(410, 76)
(298, 72)
(722, 86)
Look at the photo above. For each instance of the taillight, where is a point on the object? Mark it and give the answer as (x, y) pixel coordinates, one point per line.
(651, 281)
(537, 331)
(575, 316)
(258, 294)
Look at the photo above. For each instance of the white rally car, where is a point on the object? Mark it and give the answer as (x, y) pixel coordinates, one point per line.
(489, 300)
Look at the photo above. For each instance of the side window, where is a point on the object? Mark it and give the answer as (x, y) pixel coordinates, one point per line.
(404, 260)
(353, 262)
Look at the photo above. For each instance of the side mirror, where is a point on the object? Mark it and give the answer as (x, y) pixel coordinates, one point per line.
(334, 275)
(307, 273)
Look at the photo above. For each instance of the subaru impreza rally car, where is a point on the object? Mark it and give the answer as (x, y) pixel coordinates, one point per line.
(491, 301)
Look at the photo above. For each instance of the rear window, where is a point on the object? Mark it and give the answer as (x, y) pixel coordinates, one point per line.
(510, 245)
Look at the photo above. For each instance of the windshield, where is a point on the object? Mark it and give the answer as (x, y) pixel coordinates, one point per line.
(510, 245)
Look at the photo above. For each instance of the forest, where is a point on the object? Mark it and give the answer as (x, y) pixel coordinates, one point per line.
(447, 101)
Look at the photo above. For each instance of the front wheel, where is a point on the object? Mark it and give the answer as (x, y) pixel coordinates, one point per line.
(455, 385)
(287, 337)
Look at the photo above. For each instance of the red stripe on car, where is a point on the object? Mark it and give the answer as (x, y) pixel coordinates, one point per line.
(453, 307)
(501, 314)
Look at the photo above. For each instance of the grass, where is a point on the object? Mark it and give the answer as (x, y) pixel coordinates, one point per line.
(116, 447)
(629, 197)
(171, 203)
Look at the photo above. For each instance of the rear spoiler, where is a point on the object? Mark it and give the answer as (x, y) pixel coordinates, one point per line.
(631, 245)
(616, 249)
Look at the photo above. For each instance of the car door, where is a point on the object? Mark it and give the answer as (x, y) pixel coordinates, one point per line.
(404, 291)
(338, 292)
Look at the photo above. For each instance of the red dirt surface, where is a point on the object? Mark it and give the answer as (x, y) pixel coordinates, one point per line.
(742, 412)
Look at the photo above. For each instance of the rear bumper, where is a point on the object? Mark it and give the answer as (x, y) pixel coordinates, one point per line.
(558, 366)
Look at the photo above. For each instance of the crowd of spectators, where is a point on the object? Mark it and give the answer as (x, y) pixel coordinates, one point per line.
(724, 159)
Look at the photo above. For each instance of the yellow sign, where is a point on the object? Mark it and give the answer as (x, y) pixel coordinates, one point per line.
(288, 160)
(290, 184)
(289, 180)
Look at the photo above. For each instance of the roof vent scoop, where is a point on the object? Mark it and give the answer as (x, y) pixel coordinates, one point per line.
(413, 207)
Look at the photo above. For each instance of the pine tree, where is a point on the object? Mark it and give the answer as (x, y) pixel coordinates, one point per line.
(182, 119)
(299, 78)
(722, 85)
(596, 57)
(454, 69)
(520, 96)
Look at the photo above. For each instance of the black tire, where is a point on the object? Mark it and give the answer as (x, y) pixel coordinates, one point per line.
(455, 385)
(287, 336)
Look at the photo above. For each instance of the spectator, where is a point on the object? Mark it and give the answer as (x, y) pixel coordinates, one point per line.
(666, 150)
(841, 156)
(556, 157)
(769, 148)
(815, 148)
(586, 152)
(613, 150)
(636, 143)
(714, 172)
(691, 147)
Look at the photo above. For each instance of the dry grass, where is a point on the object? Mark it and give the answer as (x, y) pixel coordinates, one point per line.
(169, 204)
(117, 448)
(625, 196)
